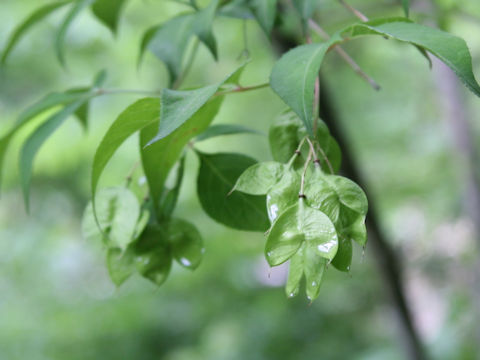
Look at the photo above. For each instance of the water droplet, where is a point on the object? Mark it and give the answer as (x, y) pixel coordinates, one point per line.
(269, 254)
(202, 251)
(348, 268)
(314, 283)
(185, 262)
(291, 295)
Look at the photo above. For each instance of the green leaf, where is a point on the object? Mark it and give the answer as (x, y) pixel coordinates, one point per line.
(153, 254)
(202, 26)
(169, 197)
(35, 141)
(120, 265)
(225, 129)
(258, 179)
(265, 12)
(237, 9)
(48, 102)
(108, 12)
(343, 258)
(218, 173)
(35, 17)
(406, 7)
(450, 49)
(137, 116)
(295, 273)
(297, 224)
(159, 158)
(283, 195)
(341, 199)
(187, 243)
(77, 7)
(305, 8)
(118, 213)
(293, 79)
(306, 261)
(284, 238)
(169, 41)
(313, 267)
(285, 136)
(293, 76)
(179, 106)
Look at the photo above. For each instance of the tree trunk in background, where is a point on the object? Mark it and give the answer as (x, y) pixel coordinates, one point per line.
(451, 98)
(386, 258)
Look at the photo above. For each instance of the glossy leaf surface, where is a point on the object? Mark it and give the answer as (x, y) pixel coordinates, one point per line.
(283, 195)
(297, 224)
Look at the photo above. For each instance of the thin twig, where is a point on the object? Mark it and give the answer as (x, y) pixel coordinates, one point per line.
(239, 89)
(325, 157)
(356, 12)
(100, 91)
(305, 168)
(343, 54)
(297, 152)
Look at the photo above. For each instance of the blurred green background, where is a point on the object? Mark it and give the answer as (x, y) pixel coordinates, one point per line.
(56, 300)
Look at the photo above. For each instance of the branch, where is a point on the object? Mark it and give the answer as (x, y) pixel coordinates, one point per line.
(355, 12)
(343, 54)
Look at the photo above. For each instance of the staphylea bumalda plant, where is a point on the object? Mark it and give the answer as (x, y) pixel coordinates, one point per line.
(311, 216)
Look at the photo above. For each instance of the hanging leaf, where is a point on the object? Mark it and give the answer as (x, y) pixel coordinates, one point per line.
(34, 18)
(169, 198)
(295, 273)
(159, 158)
(258, 179)
(343, 258)
(153, 254)
(283, 195)
(265, 12)
(118, 214)
(168, 43)
(217, 176)
(202, 26)
(140, 114)
(179, 106)
(77, 7)
(120, 265)
(35, 141)
(225, 129)
(108, 12)
(187, 243)
(297, 224)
